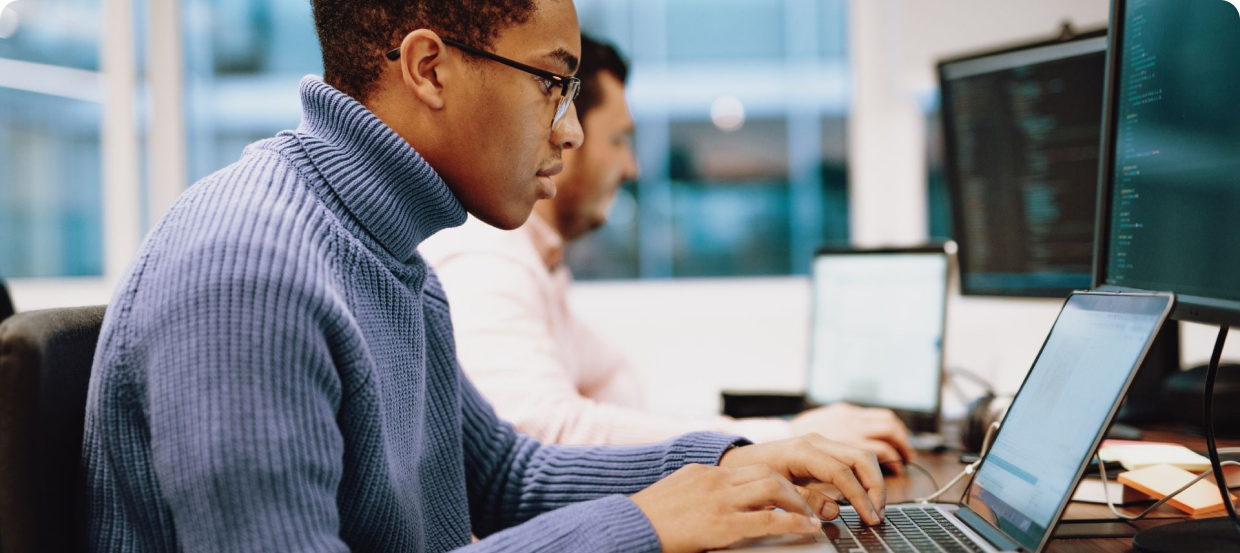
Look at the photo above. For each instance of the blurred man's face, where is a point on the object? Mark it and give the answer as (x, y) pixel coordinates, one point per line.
(593, 172)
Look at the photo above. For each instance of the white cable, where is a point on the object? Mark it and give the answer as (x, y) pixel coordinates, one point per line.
(1106, 492)
(969, 470)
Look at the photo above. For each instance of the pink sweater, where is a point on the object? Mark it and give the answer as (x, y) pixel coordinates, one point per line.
(541, 367)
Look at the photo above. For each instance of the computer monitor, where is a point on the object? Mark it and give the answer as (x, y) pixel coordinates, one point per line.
(1168, 184)
(1021, 131)
(878, 319)
(1170, 176)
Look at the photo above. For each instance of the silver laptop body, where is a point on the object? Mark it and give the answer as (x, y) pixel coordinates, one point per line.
(1054, 425)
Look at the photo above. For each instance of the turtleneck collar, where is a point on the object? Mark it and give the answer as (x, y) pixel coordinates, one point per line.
(380, 179)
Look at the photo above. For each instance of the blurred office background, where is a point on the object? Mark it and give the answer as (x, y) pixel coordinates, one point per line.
(765, 128)
(743, 142)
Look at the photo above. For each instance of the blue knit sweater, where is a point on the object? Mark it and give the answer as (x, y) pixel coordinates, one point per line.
(277, 373)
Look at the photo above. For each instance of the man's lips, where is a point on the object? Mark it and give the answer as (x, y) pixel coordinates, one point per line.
(551, 171)
(547, 189)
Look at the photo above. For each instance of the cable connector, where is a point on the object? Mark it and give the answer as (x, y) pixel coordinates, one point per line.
(968, 471)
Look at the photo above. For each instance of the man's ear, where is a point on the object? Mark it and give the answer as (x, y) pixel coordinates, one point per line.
(422, 59)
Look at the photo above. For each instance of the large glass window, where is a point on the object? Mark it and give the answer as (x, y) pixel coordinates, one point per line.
(741, 114)
(62, 33)
(243, 61)
(748, 196)
(51, 214)
(708, 30)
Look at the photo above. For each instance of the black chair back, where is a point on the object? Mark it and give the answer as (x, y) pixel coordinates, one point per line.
(45, 362)
(6, 303)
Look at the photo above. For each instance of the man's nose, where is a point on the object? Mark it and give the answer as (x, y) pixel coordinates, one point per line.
(568, 134)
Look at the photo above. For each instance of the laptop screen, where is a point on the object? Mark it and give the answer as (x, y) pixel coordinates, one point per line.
(1061, 411)
(877, 333)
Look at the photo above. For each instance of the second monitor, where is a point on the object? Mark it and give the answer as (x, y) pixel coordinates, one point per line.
(1022, 128)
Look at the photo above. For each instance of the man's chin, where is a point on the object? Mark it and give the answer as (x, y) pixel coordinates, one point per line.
(545, 187)
(506, 219)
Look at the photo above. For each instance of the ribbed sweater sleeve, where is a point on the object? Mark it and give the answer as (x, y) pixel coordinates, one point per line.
(515, 480)
(242, 390)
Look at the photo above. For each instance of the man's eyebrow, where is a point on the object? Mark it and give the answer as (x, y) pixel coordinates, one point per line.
(565, 57)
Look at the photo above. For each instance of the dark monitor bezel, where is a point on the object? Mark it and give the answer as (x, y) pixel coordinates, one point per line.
(1190, 308)
(952, 171)
(917, 421)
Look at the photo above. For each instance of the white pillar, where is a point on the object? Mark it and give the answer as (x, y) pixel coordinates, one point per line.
(121, 220)
(166, 153)
(886, 132)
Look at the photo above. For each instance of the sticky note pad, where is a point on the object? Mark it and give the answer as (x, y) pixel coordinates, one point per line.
(1160, 480)
(1137, 455)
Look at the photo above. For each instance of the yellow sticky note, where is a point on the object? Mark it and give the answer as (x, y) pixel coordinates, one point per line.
(1161, 480)
(1137, 456)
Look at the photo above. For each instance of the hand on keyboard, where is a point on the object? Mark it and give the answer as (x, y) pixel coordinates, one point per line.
(878, 430)
(812, 460)
(698, 507)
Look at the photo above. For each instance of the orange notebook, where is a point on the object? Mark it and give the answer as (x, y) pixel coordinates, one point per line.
(1160, 480)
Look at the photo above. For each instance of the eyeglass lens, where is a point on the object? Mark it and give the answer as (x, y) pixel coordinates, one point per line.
(565, 102)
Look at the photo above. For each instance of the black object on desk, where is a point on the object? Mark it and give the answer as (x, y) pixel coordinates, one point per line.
(746, 405)
(1182, 397)
(1099, 528)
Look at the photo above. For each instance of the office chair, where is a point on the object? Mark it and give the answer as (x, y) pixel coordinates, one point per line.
(45, 361)
(6, 303)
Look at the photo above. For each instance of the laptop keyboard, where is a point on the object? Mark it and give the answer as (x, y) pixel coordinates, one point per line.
(911, 530)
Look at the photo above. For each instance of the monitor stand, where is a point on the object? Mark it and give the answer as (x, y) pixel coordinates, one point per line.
(1211, 534)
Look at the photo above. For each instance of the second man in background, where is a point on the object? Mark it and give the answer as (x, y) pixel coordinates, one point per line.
(545, 370)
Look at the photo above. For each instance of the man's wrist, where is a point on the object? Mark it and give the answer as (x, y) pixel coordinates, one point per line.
(731, 447)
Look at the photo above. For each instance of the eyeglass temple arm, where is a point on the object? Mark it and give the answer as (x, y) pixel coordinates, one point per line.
(394, 54)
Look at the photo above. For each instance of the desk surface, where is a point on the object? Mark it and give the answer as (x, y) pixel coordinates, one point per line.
(944, 466)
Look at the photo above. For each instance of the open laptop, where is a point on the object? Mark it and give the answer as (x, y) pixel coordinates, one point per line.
(1054, 425)
(877, 328)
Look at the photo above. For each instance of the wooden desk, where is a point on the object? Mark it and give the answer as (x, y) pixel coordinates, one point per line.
(945, 466)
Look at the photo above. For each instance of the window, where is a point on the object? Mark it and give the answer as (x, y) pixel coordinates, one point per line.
(51, 94)
(752, 191)
(51, 218)
(243, 61)
(741, 142)
(701, 208)
(707, 30)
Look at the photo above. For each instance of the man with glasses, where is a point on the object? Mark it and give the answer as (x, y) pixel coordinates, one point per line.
(277, 370)
(544, 369)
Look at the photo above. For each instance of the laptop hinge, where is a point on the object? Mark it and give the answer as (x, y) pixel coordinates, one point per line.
(983, 528)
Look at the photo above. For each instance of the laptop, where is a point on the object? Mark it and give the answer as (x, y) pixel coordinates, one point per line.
(1054, 425)
(877, 329)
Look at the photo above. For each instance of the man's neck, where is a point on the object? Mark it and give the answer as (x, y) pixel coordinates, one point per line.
(388, 104)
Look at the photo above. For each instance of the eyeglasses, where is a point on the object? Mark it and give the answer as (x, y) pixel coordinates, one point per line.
(569, 86)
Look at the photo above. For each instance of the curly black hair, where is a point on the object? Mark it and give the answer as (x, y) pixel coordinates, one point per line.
(597, 57)
(354, 34)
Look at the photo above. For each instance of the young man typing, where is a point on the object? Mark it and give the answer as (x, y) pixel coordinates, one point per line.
(277, 370)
